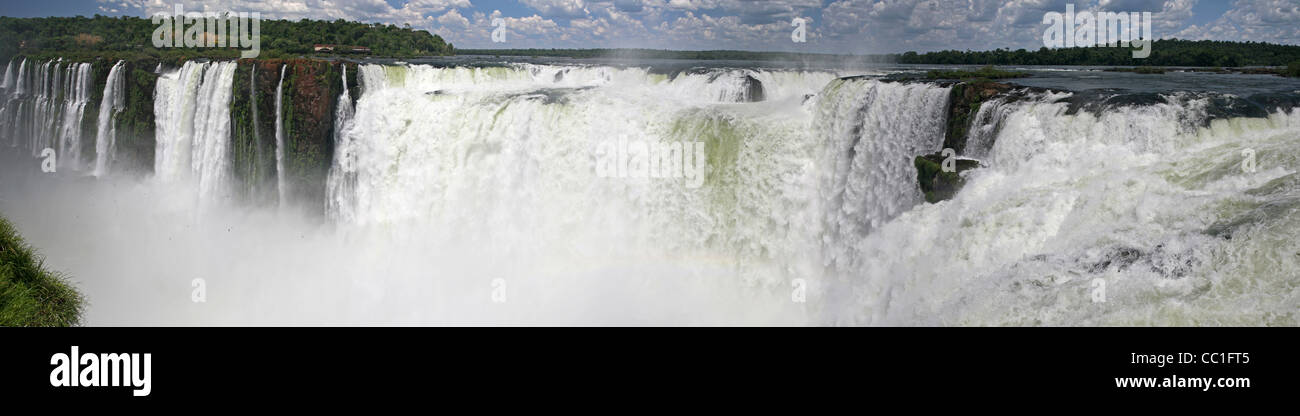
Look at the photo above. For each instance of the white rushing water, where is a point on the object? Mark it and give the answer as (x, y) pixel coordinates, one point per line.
(279, 136)
(192, 116)
(341, 182)
(111, 104)
(44, 105)
(475, 195)
(77, 93)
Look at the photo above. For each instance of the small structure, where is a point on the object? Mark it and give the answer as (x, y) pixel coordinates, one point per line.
(340, 48)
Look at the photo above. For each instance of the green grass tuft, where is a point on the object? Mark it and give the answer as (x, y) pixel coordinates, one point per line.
(30, 295)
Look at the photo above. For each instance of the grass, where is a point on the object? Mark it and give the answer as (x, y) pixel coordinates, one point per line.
(30, 295)
(987, 72)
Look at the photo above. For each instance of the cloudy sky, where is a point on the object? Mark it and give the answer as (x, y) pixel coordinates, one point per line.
(838, 26)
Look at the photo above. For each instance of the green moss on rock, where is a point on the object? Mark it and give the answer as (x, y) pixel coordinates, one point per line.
(964, 103)
(935, 183)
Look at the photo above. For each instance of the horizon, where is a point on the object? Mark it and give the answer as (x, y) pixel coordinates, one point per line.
(845, 27)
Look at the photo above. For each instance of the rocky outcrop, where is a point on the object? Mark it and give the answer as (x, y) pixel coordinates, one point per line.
(135, 124)
(307, 109)
(937, 183)
(963, 104)
(753, 90)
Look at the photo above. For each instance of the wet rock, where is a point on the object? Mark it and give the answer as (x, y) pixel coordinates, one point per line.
(753, 90)
(964, 103)
(936, 184)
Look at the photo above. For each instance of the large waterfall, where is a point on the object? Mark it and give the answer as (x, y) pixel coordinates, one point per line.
(341, 183)
(109, 106)
(279, 136)
(192, 109)
(874, 129)
(624, 195)
(43, 108)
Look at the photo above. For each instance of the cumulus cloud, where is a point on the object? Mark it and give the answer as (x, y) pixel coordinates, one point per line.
(857, 26)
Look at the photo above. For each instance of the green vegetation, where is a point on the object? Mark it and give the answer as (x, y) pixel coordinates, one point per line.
(1171, 52)
(667, 54)
(30, 295)
(986, 73)
(130, 38)
(1293, 70)
(936, 184)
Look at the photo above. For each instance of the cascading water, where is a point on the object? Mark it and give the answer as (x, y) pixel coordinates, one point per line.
(873, 130)
(111, 104)
(192, 113)
(257, 132)
(279, 136)
(9, 76)
(45, 107)
(78, 84)
(444, 180)
(341, 183)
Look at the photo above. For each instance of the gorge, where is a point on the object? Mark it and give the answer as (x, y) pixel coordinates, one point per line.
(335, 191)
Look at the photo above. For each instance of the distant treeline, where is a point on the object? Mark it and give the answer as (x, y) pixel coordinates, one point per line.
(668, 54)
(119, 36)
(1172, 52)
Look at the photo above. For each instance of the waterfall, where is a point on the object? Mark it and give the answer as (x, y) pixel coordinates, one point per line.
(874, 129)
(257, 132)
(192, 117)
(445, 178)
(45, 108)
(78, 84)
(279, 136)
(341, 183)
(9, 102)
(111, 104)
(9, 77)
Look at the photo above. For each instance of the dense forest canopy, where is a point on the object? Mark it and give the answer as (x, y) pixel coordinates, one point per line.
(1170, 52)
(669, 54)
(1173, 52)
(280, 38)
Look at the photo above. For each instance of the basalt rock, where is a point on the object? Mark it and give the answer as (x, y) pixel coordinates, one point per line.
(964, 103)
(935, 183)
(135, 143)
(310, 90)
(753, 90)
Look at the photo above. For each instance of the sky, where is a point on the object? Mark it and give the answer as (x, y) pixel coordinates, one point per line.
(832, 26)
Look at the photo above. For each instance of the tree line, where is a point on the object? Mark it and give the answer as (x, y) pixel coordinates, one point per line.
(1169, 52)
(280, 38)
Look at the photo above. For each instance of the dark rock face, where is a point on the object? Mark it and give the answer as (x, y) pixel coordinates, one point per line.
(964, 103)
(936, 184)
(753, 90)
(135, 124)
(310, 90)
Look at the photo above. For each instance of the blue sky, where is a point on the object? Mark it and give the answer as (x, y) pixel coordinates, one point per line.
(841, 26)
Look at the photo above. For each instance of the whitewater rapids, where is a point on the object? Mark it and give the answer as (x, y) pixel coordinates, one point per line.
(469, 196)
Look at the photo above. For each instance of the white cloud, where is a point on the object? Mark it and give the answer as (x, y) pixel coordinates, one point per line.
(855, 26)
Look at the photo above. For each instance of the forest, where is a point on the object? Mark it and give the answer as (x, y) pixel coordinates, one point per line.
(1170, 52)
(122, 37)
